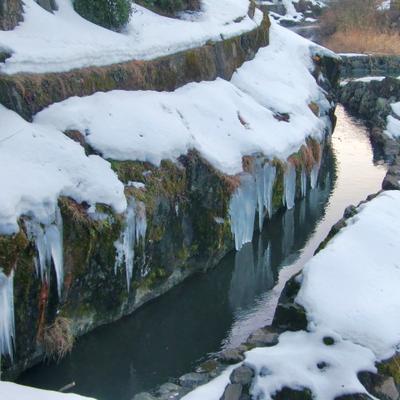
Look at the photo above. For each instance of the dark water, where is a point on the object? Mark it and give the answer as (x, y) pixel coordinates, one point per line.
(219, 309)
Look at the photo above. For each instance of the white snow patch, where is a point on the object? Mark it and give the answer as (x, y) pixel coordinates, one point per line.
(302, 360)
(61, 41)
(38, 164)
(351, 287)
(12, 391)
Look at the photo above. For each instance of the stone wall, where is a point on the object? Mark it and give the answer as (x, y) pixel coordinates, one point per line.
(10, 14)
(27, 94)
(369, 65)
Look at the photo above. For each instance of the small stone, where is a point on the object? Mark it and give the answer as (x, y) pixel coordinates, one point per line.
(193, 379)
(231, 356)
(387, 389)
(232, 392)
(242, 375)
(263, 337)
(144, 396)
(168, 387)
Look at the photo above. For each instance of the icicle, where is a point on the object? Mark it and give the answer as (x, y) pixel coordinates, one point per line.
(7, 325)
(265, 179)
(303, 179)
(242, 210)
(135, 230)
(314, 175)
(49, 246)
(269, 180)
(259, 177)
(290, 186)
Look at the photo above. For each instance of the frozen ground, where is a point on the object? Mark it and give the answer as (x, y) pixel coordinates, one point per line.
(350, 293)
(12, 391)
(47, 42)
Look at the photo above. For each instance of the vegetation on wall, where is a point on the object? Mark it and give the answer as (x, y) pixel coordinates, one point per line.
(111, 14)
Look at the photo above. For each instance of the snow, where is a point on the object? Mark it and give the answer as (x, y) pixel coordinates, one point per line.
(350, 293)
(134, 232)
(212, 390)
(7, 326)
(38, 164)
(48, 240)
(393, 127)
(222, 120)
(61, 41)
(12, 391)
(393, 122)
(367, 310)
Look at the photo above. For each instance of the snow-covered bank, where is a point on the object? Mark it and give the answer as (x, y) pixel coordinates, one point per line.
(38, 164)
(47, 42)
(350, 293)
(223, 120)
(12, 391)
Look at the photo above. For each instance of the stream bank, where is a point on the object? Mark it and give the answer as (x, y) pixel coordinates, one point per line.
(243, 291)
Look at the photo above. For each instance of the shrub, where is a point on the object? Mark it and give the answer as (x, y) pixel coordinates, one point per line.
(111, 14)
(170, 7)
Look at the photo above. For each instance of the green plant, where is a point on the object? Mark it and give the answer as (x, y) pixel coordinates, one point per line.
(111, 14)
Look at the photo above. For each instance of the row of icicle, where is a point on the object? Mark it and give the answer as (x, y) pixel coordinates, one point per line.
(48, 239)
(255, 194)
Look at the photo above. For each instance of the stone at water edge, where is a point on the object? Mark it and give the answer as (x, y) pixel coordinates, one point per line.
(242, 375)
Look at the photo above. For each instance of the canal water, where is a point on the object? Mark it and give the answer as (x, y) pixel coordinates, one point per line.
(219, 309)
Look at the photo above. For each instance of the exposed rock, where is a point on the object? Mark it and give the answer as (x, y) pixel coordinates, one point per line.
(10, 14)
(242, 375)
(370, 65)
(379, 385)
(263, 337)
(232, 392)
(356, 396)
(48, 5)
(293, 394)
(144, 396)
(193, 379)
(232, 356)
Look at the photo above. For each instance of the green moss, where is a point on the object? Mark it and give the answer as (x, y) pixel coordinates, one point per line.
(278, 190)
(154, 278)
(391, 367)
(11, 248)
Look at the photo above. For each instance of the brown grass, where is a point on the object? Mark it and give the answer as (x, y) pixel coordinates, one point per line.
(367, 41)
(58, 339)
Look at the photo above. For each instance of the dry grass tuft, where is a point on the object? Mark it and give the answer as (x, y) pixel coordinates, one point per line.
(364, 41)
(58, 339)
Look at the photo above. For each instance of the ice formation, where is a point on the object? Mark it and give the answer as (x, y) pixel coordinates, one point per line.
(7, 329)
(265, 179)
(242, 211)
(289, 193)
(254, 193)
(48, 240)
(303, 181)
(314, 175)
(135, 230)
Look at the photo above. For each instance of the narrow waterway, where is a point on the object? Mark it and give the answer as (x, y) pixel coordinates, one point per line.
(219, 309)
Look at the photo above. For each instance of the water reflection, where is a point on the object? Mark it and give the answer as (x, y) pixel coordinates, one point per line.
(219, 309)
